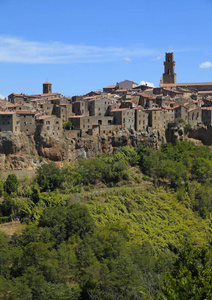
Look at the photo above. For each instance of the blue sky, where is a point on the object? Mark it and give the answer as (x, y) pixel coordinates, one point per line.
(81, 45)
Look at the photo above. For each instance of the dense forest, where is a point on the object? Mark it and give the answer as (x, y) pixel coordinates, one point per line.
(132, 225)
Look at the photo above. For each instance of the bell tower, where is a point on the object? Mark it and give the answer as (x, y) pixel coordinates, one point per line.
(169, 76)
(47, 88)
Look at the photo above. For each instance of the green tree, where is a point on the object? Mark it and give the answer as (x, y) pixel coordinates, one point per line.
(67, 125)
(11, 184)
(48, 177)
(191, 277)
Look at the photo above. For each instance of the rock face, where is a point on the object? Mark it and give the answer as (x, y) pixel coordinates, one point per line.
(18, 151)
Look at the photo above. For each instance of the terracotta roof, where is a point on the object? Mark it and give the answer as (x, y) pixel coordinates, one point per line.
(204, 92)
(118, 109)
(154, 108)
(47, 82)
(45, 117)
(185, 84)
(7, 112)
(110, 87)
(25, 112)
(206, 108)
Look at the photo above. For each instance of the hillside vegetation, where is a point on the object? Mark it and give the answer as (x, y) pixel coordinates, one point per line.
(96, 230)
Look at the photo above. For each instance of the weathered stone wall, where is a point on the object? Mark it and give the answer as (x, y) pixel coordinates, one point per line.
(18, 151)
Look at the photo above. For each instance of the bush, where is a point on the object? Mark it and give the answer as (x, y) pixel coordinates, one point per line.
(48, 177)
(67, 125)
(137, 179)
(11, 184)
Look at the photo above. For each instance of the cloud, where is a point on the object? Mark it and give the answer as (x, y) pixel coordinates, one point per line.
(18, 50)
(127, 59)
(205, 65)
(2, 96)
(147, 83)
(157, 58)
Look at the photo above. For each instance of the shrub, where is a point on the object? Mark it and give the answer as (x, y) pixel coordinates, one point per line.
(11, 184)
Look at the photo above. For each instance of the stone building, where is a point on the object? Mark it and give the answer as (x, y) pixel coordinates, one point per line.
(157, 118)
(169, 75)
(49, 125)
(47, 107)
(146, 100)
(109, 89)
(99, 107)
(9, 121)
(124, 117)
(169, 78)
(181, 112)
(141, 119)
(84, 123)
(80, 107)
(207, 116)
(63, 111)
(170, 113)
(27, 121)
(126, 85)
(47, 88)
(195, 116)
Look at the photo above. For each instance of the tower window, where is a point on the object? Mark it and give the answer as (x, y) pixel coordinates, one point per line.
(169, 59)
(168, 72)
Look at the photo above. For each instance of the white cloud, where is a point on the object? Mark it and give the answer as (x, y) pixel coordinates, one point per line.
(205, 65)
(127, 59)
(18, 50)
(147, 83)
(157, 58)
(2, 96)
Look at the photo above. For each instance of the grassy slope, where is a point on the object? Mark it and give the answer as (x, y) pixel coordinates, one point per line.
(152, 215)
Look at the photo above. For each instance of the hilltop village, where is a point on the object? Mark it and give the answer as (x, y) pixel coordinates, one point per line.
(124, 106)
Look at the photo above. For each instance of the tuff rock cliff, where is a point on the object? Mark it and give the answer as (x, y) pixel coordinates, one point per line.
(18, 151)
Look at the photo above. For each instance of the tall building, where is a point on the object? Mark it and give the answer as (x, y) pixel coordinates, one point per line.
(47, 88)
(169, 75)
(169, 79)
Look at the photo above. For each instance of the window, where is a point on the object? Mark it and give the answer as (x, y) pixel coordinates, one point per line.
(168, 72)
(47, 127)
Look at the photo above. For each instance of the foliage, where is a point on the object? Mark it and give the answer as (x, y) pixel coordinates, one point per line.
(67, 125)
(191, 277)
(11, 184)
(48, 177)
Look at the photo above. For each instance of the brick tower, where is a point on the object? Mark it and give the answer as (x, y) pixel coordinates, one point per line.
(47, 88)
(169, 76)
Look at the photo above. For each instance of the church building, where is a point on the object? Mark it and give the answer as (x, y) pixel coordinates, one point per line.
(169, 78)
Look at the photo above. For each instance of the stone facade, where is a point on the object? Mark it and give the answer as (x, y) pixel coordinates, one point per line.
(50, 125)
(169, 75)
(141, 119)
(9, 121)
(27, 122)
(157, 118)
(99, 106)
